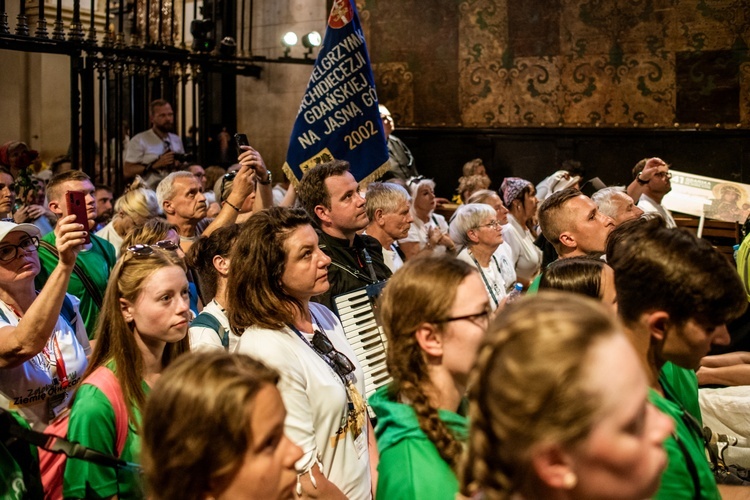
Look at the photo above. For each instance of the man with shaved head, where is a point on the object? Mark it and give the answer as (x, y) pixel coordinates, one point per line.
(571, 221)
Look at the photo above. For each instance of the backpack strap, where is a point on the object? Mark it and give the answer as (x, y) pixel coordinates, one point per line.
(103, 379)
(209, 321)
(91, 288)
(68, 312)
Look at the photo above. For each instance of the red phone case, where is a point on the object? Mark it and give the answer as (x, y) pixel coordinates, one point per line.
(76, 201)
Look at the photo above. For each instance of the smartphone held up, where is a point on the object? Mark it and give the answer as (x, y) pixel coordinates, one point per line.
(76, 202)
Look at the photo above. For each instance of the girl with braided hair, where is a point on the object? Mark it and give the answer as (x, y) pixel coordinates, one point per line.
(559, 407)
(434, 311)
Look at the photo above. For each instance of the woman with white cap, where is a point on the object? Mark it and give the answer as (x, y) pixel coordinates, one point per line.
(43, 342)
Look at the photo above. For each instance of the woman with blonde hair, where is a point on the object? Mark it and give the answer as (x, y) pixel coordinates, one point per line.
(141, 330)
(230, 408)
(429, 231)
(559, 407)
(434, 312)
(159, 232)
(137, 205)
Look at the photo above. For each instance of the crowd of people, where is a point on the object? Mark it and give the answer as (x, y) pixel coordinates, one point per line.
(213, 356)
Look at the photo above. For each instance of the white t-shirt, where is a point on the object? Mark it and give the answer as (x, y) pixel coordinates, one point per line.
(278, 192)
(492, 277)
(420, 231)
(504, 256)
(34, 388)
(108, 233)
(146, 147)
(392, 259)
(527, 257)
(650, 206)
(316, 400)
(206, 339)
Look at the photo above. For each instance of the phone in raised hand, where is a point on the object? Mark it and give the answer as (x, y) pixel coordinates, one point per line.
(240, 140)
(76, 202)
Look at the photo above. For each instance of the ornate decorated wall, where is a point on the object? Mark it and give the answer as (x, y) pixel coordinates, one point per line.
(527, 84)
(569, 63)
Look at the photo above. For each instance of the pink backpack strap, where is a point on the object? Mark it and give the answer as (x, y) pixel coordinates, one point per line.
(103, 379)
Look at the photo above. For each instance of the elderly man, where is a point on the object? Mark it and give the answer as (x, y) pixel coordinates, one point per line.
(402, 161)
(675, 295)
(94, 263)
(573, 224)
(651, 182)
(615, 203)
(151, 153)
(388, 209)
(330, 194)
(181, 198)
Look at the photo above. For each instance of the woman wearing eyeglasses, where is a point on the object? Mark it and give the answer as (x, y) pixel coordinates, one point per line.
(276, 268)
(478, 233)
(434, 312)
(43, 342)
(142, 329)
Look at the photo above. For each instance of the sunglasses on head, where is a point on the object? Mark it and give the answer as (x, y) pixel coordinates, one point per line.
(146, 250)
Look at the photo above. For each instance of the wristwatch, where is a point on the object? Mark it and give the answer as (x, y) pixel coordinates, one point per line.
(641, 181)
(268, 181)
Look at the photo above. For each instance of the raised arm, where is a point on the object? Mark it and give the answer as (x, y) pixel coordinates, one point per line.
(22, 342)
(635, 189)
(242, 186)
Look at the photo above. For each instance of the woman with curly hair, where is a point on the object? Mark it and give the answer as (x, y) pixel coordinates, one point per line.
(434, 312)
(559, 407)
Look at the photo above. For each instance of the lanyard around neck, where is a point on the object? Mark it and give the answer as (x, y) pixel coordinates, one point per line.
(484, 278)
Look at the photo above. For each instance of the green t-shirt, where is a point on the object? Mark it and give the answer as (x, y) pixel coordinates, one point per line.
(677, 481)
(92, 423)
(97, 262)
(410, 465)
(19, 468)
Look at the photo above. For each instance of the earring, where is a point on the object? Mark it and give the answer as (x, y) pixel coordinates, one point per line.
(570, 480)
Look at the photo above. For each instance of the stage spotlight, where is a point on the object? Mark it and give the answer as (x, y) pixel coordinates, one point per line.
(310, 41)
(289, 40)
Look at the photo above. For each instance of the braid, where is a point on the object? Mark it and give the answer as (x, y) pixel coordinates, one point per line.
(429, 421)
(528, 387)
(475, 468)
(420, 293)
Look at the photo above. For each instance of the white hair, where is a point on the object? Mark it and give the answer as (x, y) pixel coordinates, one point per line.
(165, 189)
(604, 199)
(466, 218)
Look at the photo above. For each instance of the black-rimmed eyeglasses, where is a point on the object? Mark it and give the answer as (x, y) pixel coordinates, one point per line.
(484, 316)
(146, 250)
(323, 345)
(9, 251)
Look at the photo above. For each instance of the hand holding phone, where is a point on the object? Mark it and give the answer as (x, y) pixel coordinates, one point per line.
(240, 140)
(76, 203)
